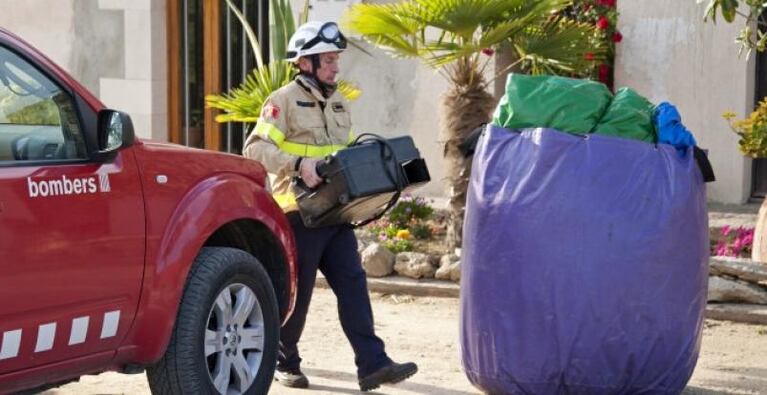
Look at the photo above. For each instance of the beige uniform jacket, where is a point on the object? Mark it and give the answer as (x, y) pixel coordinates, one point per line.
(297, 121)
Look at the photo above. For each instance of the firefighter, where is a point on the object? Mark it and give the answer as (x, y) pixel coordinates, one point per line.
(300, 124)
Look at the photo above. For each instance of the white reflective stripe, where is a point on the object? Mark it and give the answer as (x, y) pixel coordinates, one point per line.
(10, 345)
(45, 336)
(79, 330)
(104, 183)
(109, 328)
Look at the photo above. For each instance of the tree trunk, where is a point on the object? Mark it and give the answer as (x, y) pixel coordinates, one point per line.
(759, 249)
(504, 58)
(464, 107)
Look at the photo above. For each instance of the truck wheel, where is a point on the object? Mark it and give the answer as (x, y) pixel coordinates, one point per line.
(227, 329)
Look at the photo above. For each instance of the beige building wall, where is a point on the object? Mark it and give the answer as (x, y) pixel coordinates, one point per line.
(116, 48)
(669, 54)
(142, 91)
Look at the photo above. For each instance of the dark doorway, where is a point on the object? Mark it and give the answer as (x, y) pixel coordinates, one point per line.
(759, 170)
(208, 53)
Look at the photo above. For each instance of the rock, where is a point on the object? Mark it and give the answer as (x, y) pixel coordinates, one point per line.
(414, 265)
(364, 237)
(377, 260)
(743, 269)
(361, 246)
(746, 313)
(449, 268)
(723, 290)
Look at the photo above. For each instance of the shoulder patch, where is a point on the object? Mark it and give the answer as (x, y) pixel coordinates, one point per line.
(270, 111)
(338, 107)
(305, 103)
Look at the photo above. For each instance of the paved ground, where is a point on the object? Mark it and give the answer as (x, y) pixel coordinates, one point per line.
(425, 330)
(733, 215)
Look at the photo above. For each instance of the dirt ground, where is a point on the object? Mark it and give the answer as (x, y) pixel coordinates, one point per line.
(425, 330)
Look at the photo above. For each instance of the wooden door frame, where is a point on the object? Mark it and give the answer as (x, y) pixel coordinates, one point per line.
(760, 92)
(211, 70)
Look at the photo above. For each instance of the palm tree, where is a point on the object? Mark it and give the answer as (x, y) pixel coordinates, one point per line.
(454, 37)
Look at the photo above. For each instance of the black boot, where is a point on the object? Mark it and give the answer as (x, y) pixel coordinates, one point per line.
(292, 378)
(389, 374)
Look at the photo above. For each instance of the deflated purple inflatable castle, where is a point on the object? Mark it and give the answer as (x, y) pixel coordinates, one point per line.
(585, 265)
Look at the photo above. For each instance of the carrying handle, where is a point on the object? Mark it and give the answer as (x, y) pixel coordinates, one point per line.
(323, 170)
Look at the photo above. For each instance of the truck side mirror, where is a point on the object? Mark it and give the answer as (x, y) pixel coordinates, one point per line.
(115, 131)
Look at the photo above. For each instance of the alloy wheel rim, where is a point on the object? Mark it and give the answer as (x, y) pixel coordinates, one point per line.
(234, 339)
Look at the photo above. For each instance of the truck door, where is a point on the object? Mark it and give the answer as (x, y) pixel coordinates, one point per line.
(72, 231)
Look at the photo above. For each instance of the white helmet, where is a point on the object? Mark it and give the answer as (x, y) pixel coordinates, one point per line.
(315, 38)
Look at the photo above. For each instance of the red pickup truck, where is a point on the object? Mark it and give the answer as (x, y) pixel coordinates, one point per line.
(129, 255)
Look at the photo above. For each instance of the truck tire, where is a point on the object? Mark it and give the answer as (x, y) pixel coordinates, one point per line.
(227, 331)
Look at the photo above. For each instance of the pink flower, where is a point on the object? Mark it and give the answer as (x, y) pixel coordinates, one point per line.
(617, 37)
(721, 249)
(741, 231)
(726, 230)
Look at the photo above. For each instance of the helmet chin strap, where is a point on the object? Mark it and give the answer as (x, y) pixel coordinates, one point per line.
(326, 89)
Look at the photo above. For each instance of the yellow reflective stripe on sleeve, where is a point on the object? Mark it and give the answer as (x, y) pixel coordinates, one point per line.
(351, 137)
(309, 150)
(268, 131)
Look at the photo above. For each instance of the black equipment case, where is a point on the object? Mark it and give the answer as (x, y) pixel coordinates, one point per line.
(362, 181)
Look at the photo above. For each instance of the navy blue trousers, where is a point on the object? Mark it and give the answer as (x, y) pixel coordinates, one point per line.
(332, 250)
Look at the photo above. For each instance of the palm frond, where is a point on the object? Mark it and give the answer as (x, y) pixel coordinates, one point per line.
(557, 47)
(255, 46)
(349, 90)
(381, 19)
(464, 18)
(244, 103)
(445, 31)
(303, 16)
(279, 32)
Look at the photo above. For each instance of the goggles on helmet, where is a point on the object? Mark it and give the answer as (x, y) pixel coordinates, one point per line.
(328, 33)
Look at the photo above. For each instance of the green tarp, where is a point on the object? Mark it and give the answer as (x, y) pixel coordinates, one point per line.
(630, 116)
(565, 104)
(574, 106)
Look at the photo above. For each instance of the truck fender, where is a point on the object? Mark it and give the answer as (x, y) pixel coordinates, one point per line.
(209, 205)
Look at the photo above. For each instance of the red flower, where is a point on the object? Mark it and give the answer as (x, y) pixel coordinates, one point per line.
(606, 3)
(488, 51)
(604, 73)
(589, 56)
(603, 23)
(617, 37)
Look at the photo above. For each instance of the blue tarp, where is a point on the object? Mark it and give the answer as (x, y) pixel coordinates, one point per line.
(585, 265)
(668, 123)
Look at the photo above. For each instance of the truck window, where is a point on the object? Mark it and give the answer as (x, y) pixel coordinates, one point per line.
(38, 120)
